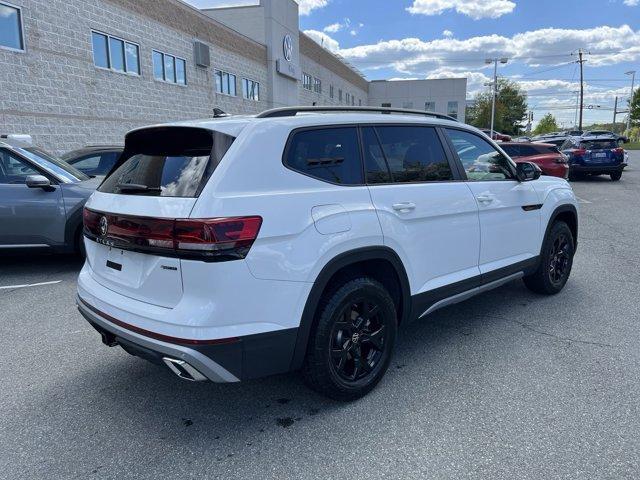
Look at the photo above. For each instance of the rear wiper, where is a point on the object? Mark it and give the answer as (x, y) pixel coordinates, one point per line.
(137, 188)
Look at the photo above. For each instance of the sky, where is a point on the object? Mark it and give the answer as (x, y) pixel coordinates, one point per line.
(394, 39)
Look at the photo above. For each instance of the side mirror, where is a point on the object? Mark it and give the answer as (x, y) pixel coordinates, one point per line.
(528, 171)
(38, 181)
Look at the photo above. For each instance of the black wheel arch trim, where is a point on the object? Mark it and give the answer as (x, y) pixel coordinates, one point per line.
(336, 264)
(557, 212)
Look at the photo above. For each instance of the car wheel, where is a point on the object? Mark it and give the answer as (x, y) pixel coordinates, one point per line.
(616, 176)
(556, 261)
(80, 248)
(353, 340)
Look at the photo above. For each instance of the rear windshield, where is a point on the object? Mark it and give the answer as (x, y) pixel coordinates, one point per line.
(167, 162)
(598, 144)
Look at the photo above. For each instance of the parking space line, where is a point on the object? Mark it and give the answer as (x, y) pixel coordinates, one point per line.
(13, 287)
(582, 200)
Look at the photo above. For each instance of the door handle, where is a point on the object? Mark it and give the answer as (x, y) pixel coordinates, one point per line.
(404, 207)
(485, 199)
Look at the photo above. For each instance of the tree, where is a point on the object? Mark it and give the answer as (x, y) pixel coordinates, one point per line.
(511, 108)
(635, 108)
(547, 124)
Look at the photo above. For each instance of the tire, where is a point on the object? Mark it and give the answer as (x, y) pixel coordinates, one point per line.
(80, 248)
(616, 176)
(556, 261)
(349, 352)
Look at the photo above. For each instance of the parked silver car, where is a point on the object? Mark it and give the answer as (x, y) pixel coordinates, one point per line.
(41, 199)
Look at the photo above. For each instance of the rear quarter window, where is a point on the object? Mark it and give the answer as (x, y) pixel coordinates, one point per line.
(167, 162)
(328, 154)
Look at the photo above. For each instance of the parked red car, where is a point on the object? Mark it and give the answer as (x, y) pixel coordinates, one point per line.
(502, 137)
(547, 156)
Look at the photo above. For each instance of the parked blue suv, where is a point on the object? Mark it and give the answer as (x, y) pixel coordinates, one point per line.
(594, 156)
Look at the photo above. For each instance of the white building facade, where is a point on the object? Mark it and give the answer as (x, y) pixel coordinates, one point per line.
(80, 72)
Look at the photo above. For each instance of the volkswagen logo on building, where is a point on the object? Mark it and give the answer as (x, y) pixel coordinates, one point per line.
(104, 226)
(287, 47)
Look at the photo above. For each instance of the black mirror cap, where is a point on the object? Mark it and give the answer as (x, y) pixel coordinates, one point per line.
(528, 171)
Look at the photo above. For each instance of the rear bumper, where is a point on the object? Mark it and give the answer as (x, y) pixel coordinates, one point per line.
(560, 170)
(221, 361)
(577, 168)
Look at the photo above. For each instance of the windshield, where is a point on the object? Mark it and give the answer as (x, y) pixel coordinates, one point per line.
(62, 170)
(598, 144)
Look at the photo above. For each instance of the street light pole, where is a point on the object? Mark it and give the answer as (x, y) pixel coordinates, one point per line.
(495, 61)
(633, 79)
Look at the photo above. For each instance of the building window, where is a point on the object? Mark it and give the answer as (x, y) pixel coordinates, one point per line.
(430, 106)
(250, 90)
(353, 100)
(452, 109)
(359, 102)
(340, 95)
(167, 68)
(225, 83)
(11, 33)
(407, 105)
(348, 98)
(307, 81)
(331, 91)
(115, 54)
(386, 105)
(317, 85)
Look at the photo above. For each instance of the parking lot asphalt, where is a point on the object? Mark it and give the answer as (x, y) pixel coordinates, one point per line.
(506, 385)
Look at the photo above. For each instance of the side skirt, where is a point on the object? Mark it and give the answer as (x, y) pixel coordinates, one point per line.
(425, 303)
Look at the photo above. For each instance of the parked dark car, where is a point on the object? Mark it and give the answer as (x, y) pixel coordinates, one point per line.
(620, 139)
(496, 135)
(547, 156)
(41, 198)
(96, 160)
(594, 156)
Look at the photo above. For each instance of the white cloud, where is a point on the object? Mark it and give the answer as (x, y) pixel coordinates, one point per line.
(447, 33)
(475, 9)
(631, 3)
(550, 46)
(323, 39)
(333, 28)
(307, 6)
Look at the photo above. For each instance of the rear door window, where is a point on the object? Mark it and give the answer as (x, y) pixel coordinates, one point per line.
(328, 154)
(412, 153)
(167, 162)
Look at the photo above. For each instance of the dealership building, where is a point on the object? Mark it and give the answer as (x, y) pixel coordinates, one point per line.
(78, 72)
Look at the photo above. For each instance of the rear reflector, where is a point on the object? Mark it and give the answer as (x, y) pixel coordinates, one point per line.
(213, 239)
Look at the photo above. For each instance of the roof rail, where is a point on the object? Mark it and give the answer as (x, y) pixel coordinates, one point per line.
(293, 111)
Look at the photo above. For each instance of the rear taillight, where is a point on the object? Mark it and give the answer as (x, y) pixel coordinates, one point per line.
(561, 159)
(619, 151)
(213, 239)
(579, 151)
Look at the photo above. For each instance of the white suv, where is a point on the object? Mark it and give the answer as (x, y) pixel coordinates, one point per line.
(302, 238)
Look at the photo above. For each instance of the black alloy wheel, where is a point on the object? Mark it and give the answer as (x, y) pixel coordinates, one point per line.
(352, 342)
(357, 341)
(556, 261)
(559, 260)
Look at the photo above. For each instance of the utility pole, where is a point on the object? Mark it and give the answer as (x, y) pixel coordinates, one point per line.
(615, 112)
(494, 90)
(575, 118)
(633, 79)
(581, 62)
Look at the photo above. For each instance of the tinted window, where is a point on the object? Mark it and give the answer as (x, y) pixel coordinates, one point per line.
(10, 27)
(414, 154)
(599, 144)
(376, 167)
(51, 164)
(512, 150)
(169, 69)
(167, 162)
(181, 71)
(330, 154)
(480, 160)
(86, 164)
(14, 170)
(158, 66)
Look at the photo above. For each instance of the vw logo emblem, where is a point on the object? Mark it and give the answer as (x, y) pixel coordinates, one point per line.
(355, 338)
(104, 226)
(287, 48)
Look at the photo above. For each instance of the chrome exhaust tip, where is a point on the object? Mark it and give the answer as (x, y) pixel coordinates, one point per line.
(184, 370)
